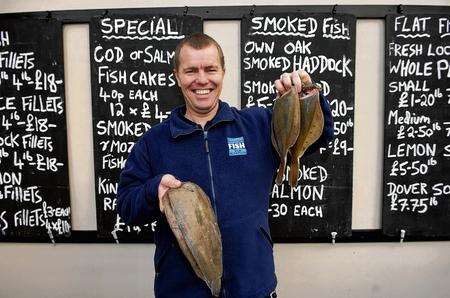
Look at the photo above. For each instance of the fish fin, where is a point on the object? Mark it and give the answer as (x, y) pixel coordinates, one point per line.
(214, 286)
(273, 139)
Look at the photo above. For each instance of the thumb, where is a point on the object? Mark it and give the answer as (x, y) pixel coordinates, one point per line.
(167, 181)
(170, 181)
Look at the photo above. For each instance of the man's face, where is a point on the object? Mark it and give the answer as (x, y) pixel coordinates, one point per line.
(200, 77)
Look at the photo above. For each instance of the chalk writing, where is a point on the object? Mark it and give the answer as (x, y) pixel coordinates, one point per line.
(133, 89)
(323, 46)
(34, 195)
(416, 185)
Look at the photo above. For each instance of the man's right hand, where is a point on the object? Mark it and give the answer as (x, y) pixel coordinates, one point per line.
(298, 78)
(167, 181)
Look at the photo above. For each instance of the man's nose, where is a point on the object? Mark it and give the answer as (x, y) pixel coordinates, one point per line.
(202, 78)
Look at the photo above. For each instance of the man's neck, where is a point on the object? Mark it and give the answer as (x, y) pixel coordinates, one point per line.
(199, 118)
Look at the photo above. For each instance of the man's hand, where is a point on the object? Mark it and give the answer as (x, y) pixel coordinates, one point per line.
(167, 181)
(296, 78)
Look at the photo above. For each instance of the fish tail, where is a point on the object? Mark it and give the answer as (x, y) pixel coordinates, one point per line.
(215, 286)
(293, 174)
(281, 168)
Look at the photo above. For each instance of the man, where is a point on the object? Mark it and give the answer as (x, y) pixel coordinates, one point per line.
(195, 144)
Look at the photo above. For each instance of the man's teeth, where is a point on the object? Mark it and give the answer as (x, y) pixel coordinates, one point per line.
(202, 91)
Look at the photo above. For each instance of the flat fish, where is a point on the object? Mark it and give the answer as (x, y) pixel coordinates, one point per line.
(192, 220)
(285, 126)
(311, 126)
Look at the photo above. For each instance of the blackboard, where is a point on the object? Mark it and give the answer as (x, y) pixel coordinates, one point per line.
(133, 88)
(416, 188)
(34, 183)
(324, 46)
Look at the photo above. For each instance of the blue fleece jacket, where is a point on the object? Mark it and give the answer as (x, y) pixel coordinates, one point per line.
(233, 161)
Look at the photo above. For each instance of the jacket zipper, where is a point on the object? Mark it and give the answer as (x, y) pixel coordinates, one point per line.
(205, 137)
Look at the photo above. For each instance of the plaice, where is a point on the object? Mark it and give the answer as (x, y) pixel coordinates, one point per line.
(192, 220)
(285, 126)
(311, 126)
(296, 125)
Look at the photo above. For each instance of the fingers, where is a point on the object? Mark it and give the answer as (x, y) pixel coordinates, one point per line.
(295, 78)
(167, 182)
(283, 84)
(161, 203)
(280, 88)
(170, 181)
(304, 76)
(286, 80)
(297, 81)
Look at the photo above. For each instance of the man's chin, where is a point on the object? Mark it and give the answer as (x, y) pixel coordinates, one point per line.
(206, 107)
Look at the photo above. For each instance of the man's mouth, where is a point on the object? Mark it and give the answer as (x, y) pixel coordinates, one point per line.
(202, 91)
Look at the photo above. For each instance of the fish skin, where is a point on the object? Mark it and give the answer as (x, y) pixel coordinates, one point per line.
(285, 126)
(311, 126)
(194, 224)
(171, 219)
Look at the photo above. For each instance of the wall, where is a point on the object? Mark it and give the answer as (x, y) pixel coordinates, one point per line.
(414, 269)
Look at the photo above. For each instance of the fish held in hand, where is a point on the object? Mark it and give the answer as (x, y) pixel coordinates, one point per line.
(311, 126)
(285, 126)
(192, 220)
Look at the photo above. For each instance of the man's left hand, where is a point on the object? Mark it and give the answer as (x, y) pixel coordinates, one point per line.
(296, 78)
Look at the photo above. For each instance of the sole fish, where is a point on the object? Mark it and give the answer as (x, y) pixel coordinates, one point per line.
(285, 127)
(311, 126)
(191, 218)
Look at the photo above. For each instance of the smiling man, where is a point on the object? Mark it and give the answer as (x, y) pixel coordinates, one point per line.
(200, 73)
(228, 153)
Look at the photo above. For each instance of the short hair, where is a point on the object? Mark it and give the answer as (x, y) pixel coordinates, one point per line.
(197, 41)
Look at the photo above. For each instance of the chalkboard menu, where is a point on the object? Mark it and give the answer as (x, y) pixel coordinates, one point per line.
(417, 126)
(34, 191)
(324, 46)
(133, 88)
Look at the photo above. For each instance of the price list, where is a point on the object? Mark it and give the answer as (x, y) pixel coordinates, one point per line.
(133, 89)
(416, 196)
(34, 191)
(324, 46)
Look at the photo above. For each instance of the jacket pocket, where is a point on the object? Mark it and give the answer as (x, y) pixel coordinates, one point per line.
(248, 257)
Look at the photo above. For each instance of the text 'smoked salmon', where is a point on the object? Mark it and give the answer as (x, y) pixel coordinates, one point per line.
(192, 220)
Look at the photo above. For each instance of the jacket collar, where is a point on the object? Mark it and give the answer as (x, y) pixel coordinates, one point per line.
(180, 125)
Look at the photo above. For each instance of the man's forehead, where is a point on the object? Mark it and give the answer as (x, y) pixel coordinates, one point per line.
(208, 54)
(188, 47)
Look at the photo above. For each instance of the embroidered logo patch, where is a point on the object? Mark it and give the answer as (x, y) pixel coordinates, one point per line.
(236, 146)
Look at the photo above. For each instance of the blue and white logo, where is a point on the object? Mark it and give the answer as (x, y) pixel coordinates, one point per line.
(236, 146)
